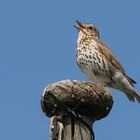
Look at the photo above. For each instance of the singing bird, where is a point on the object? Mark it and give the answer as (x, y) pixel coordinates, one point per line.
(99, 64)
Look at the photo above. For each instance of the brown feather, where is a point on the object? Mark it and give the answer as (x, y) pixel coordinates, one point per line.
(107, 52)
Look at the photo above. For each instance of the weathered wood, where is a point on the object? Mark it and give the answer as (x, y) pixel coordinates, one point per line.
(56, 128)
(80, 131)
(71, 98)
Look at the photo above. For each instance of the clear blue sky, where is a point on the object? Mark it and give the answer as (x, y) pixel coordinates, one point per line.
(37, 47)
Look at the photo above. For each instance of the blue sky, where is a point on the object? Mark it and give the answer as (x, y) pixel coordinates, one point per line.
(37, 47)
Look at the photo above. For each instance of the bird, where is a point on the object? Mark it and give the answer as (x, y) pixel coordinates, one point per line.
(97, 61)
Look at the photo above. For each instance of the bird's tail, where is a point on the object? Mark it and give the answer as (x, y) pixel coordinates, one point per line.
(125, 84)
(132, 95)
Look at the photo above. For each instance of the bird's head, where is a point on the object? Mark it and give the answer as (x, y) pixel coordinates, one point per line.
(87, 29)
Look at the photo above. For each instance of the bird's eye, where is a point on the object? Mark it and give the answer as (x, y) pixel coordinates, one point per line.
(90, 27)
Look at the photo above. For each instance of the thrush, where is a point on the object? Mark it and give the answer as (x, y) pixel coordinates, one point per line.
(99, 64)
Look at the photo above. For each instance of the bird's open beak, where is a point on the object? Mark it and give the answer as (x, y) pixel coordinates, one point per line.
(79, 25)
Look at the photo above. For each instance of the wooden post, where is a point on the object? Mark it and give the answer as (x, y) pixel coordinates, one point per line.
(73, 107)
(81, 132)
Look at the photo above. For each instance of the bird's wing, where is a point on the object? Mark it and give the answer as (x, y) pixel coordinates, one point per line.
(107, 52)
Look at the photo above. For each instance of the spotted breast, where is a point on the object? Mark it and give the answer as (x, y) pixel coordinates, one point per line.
(91, 61)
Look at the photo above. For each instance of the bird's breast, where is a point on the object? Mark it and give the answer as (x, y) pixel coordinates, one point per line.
(91, 61)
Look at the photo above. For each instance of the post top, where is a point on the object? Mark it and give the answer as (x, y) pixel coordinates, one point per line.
(84, 98)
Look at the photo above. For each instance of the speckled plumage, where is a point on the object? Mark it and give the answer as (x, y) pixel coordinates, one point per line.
(98, 62)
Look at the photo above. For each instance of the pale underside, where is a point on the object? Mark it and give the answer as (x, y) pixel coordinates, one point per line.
(93, 63)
